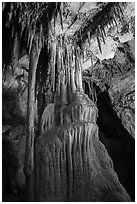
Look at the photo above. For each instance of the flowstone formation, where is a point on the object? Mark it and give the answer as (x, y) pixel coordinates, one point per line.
(71, 163)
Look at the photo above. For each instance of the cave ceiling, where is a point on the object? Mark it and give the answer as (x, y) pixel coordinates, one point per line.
(72, 22)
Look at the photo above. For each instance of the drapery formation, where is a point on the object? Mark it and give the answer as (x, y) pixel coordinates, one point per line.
(71, 163)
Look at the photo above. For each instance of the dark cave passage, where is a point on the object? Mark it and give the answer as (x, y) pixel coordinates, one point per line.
(118, 142)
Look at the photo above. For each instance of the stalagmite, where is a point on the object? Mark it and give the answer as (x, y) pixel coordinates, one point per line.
(73, 163)
(15, 51)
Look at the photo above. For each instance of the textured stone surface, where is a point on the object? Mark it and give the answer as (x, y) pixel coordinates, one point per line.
(122, 93)
(73, 165)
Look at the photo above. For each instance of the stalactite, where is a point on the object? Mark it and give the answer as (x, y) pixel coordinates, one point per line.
(89, 38)
(99, 44)
(30, 41)
(63, 91)
(72, 80)
(34, 56)
(15, 51)
(79, 73)
(101, 34)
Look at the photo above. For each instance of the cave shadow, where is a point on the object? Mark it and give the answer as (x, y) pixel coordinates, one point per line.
(117, 140)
